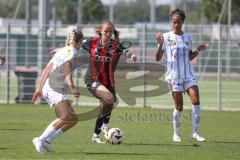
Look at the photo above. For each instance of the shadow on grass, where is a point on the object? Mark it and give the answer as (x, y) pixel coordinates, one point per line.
(157, 144)
(226, 142)
(125, 154)
(111, 153)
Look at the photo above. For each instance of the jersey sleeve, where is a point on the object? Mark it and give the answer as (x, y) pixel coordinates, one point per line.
(166, 39)
(87, 44)
(190, 42)
(54, 58)
(70, 54)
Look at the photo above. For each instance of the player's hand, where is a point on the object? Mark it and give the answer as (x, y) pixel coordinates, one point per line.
(2, 60)
(75, 92)
(133, 58)
(54, 51)
(203, 47)
(36, 95)
(159, 38)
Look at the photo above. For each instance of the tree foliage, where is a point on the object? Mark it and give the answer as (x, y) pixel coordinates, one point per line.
(212, 9)
(9, 9)
(124, 12)
(138, 11)
(162, 13)
(134, 11)
(93, 11)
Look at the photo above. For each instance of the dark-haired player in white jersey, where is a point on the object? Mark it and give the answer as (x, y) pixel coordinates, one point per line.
(177, 46)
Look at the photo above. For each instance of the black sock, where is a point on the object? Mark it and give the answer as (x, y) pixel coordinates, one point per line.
(106, 117)
(98, 125)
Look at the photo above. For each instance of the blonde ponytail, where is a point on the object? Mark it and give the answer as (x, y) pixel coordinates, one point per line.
(74, 36)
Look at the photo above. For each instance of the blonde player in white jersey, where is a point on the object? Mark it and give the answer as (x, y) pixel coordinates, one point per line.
(55, 79)
(180, 75)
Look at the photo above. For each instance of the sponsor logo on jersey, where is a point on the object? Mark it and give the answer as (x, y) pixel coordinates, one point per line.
(68, 53)
(172, 43)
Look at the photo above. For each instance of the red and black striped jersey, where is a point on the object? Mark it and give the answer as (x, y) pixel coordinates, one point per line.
(103, 60)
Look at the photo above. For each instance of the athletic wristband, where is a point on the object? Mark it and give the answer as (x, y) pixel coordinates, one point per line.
(126, 52)
(195, 52)
(158, 45)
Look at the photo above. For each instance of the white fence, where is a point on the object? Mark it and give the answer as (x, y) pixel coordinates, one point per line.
(218, 68)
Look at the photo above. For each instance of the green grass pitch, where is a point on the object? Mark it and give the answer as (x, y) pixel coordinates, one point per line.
(148, 135)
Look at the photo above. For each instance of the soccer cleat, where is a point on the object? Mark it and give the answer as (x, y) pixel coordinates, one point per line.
(38, 145)
(97, 140)
(198, 138)
(176, 138)
(48, 147)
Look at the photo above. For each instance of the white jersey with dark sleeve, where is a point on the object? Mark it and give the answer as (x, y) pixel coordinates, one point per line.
(176, 49)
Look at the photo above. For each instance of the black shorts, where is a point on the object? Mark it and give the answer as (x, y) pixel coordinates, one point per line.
(94, 85)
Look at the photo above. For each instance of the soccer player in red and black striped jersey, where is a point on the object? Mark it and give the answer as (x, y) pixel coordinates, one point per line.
(104, 52)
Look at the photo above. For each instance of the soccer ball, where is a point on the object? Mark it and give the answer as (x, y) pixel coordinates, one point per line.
(114, 136)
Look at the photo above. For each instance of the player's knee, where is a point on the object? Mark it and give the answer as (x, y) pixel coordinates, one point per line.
(73, 123)
(110, 99)
(69, 117)
(63, 117)
(74, 118)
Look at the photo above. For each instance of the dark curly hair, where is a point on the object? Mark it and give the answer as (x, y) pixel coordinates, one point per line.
(178, 12)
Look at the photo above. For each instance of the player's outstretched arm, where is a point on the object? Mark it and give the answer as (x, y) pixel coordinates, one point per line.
(69, 78)
(159, 52)
(42, 81)
(200, 48)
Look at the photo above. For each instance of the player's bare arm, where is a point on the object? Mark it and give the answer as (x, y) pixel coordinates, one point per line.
(2, 60)
(69, 79)
(200, 48)
(159, 52)
(42, 80)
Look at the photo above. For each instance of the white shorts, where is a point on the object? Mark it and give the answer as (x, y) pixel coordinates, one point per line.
(52, 97)
(181, 85)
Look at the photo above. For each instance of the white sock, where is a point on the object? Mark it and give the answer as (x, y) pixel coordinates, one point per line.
(48, 132)
(195, 118)
(95, 135)
(57, 133)
(105, 125)
(176, 121)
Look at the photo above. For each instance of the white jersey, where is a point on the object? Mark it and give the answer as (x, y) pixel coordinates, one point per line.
(56, 80)
(176, 49)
